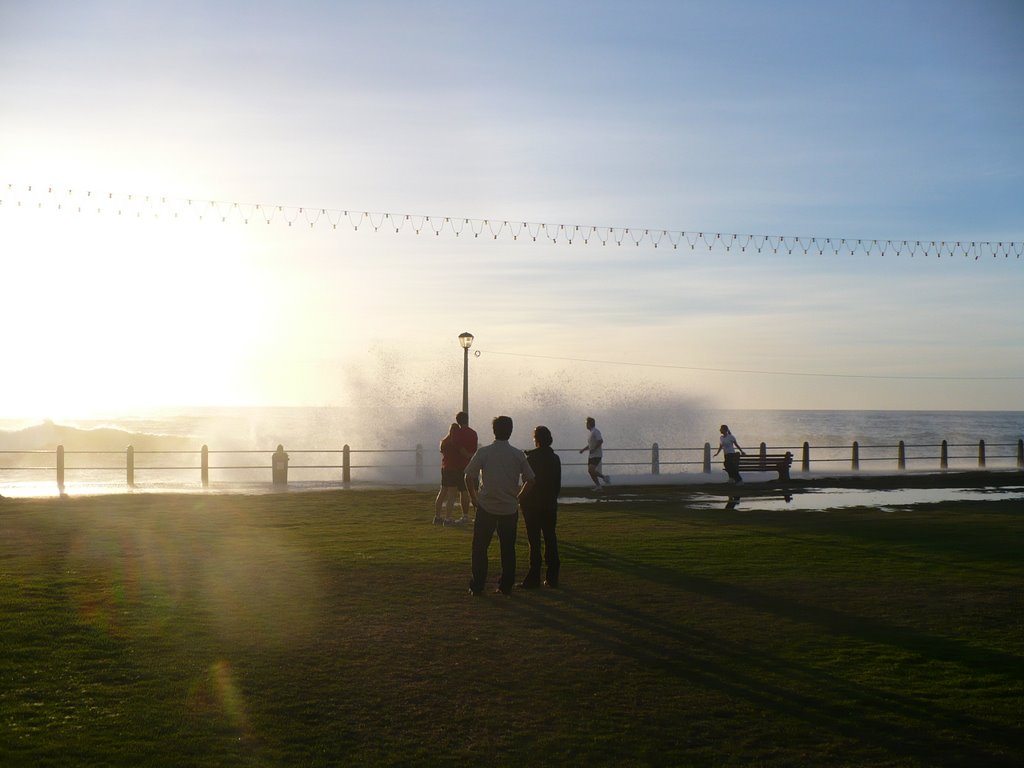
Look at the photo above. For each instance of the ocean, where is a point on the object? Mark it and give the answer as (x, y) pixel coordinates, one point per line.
(383, 444)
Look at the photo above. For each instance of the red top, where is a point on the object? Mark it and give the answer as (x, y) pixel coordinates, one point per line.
(465, 439)
(451, 456)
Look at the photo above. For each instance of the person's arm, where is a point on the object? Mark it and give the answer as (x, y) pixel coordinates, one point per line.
(529, 478)
(472, 473)
(471, 477)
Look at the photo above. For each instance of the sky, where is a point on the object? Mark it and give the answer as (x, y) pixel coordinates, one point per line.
(839, 120)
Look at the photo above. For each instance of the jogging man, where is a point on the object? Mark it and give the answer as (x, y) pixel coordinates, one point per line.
(594, 443)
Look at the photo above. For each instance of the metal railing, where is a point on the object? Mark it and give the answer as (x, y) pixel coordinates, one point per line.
(234, 464)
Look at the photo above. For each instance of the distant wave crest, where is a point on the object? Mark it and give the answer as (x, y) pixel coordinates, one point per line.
(48, 435)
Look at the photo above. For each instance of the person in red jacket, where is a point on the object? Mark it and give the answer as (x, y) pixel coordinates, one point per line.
(466, 440)
(452, 476)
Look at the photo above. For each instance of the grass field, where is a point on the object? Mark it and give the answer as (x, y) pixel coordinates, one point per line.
(334, 629)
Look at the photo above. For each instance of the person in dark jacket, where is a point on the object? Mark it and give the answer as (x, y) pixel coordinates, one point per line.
(540, 509)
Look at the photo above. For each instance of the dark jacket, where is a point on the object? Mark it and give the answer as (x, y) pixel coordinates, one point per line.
(548, 481)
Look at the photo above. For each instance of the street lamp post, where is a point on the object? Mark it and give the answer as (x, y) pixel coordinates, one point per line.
(466, 340)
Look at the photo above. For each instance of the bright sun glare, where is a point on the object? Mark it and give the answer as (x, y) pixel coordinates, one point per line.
(106, 313)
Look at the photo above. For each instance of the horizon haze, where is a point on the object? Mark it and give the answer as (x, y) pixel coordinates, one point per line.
(873, 121)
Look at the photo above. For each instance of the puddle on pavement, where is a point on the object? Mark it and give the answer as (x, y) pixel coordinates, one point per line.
(819, 498)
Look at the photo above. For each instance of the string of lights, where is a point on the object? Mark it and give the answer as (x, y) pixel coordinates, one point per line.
(886, 377)
(147, 206)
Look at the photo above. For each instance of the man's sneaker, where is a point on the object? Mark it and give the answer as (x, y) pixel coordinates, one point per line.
(438, 520)
(596, 488)
(464, 520)
(506, 591)
(607, 479)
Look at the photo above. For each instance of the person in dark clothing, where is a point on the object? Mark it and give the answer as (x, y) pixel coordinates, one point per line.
(540, 509)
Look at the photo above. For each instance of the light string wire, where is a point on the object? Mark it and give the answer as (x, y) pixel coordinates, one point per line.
(129, 205)
(753, 372)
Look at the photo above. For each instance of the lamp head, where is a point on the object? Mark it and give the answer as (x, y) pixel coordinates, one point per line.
(466, 339)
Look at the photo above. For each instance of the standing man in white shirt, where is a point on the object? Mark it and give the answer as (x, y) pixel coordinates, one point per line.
(594, 443)
(497, 503)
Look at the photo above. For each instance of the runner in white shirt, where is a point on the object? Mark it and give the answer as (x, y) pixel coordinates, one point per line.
(594, 443)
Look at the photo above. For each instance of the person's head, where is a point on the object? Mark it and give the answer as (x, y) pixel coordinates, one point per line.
(502, 426)
(724, 429)
(542, 437)
(454, 428)
(462, 418)
(590, 422)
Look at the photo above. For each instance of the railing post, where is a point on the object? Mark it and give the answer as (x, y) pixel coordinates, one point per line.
(855, 457)
(419, 461)
(130, 464)
(1020, 454)
(981, 453)
(901, 456)
(655, 460)
(764, 454)
(805, 464)
(346, 465)
(944, 456)
(60, 468)
(707, 458)
(204, 471)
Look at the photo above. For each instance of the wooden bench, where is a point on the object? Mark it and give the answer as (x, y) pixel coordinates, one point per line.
(767, 462)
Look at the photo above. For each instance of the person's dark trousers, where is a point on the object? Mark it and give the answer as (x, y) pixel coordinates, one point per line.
(483, 532)
(732, 465)
(542, 523)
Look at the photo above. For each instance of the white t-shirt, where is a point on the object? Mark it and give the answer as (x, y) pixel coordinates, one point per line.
(502, 465)
(728, 443)
(594, 443)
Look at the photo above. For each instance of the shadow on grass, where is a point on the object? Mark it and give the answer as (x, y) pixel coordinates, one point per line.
(944, 544)
(899, 723)
(832, 621)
